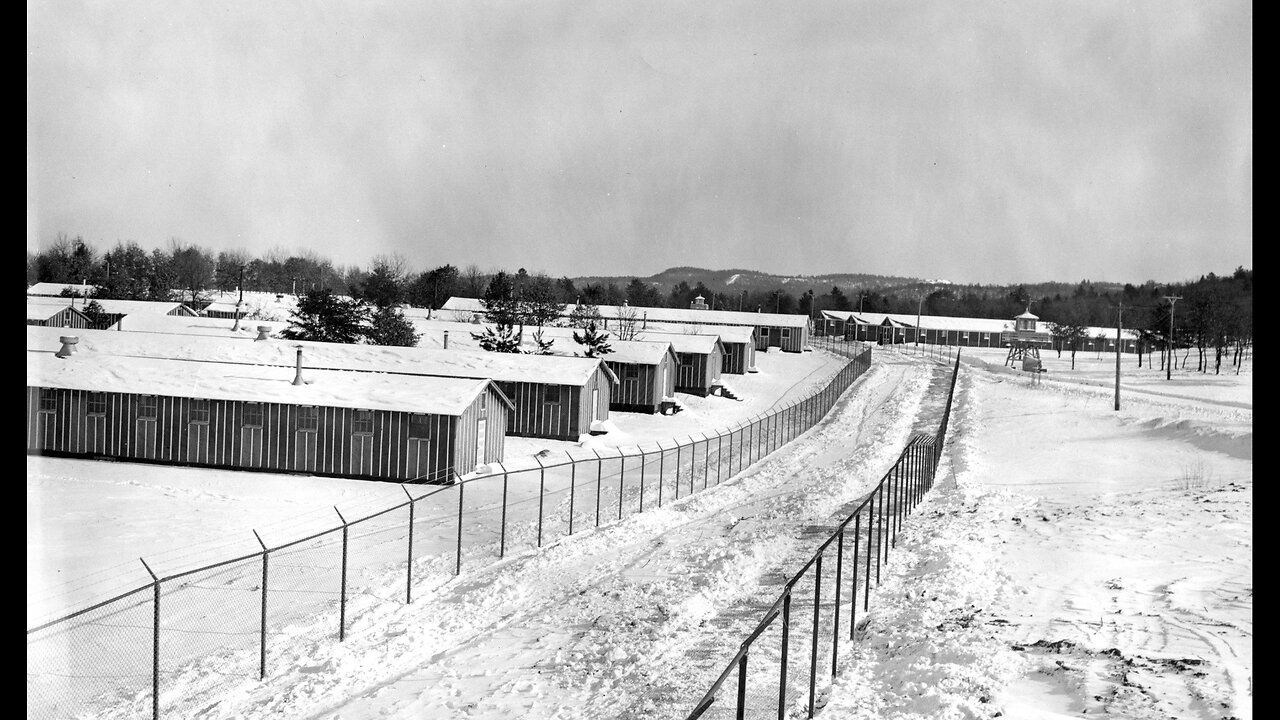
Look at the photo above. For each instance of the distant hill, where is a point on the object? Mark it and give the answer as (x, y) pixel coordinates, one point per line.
(737, 280)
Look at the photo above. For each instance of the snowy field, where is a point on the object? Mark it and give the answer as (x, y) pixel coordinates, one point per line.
(1072, 560)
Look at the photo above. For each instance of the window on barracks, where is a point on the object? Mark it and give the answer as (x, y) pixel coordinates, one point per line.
(97, 403)
(200, 411)
(147, 407)
(48, 400)
(308, 418)
(363, 423)
(632, 371)
(419, 425)
(552, 395)
(253, 415)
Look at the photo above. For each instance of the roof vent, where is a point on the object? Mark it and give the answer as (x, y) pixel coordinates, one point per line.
(297, 378)
(68, 346)
(264, 333)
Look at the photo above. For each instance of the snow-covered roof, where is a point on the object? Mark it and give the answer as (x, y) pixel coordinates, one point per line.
(683, 342)
(55, 289)
(744, 334)
(658, 314)
(637, 352)
(960, 324)
(94, 371)
(199, 325)
(261, 305)
(137, 307)
(43, 308)
(507, 367)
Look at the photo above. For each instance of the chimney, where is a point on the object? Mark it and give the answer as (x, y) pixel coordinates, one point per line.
(264, 333)
(68, 346)
(446, 339)
(297, 378)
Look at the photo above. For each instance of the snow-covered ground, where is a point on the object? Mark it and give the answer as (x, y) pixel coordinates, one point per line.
(1072, 560)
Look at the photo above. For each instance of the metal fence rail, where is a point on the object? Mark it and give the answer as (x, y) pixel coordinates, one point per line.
(793, 653)
(231, 616)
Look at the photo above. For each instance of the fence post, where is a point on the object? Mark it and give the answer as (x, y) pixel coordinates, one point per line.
(662, 462)
(599, 480)
(742, 686)
(706, 460)
(408, 581)
(813, 655)
(893, 498)
(782, 680)
(853, 586)
(871, 526)
(679, 448)
(573, 487)
(719, 455)
(622, 477)
(342, 598)
(457, 570)
(502, 525)
(882, 546)
(542, 479)
(642, 456)
(835, 605)
(155, 641)
(262, 625)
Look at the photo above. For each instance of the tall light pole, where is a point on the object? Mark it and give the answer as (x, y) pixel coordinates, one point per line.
(1168, 369)
(919, 305)
(236, 327)
(1119, 312)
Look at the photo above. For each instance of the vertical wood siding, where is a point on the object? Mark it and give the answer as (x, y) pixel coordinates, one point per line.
(333, 448)
(642, 393)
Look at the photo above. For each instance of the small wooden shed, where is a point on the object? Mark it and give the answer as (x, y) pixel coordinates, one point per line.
(55, 312)
(699, 360)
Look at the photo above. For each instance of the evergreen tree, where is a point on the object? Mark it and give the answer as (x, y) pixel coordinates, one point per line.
(584, 315)
(594, 343)
(500, 338)
(321, 316)
(542, 346)
(388, 326)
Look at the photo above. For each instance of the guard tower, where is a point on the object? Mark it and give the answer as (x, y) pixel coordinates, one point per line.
(1025, 340)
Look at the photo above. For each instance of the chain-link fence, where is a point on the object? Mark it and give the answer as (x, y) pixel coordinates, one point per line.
(239, 616)
(789, 661)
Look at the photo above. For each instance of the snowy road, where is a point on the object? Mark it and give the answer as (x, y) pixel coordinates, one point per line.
(630, 620)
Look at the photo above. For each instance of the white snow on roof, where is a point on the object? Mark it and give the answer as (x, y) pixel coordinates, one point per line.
(431, 335)
(960, 324)
(96, 371)
(260, 305)
(43, 308)
(199, 325)
(683, 342)
(653, 314)
(131, 307)
(506, 367)
(48, 288)
(726, 333)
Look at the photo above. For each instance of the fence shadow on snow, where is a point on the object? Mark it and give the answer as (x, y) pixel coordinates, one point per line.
(229, 619)
(780, 680)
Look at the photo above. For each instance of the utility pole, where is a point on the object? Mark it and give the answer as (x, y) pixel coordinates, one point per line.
(919, 305)
(236, 327)
(1168, 368)
(1119, 312)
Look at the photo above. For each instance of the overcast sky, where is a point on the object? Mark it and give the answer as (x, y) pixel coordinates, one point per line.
(977, 141)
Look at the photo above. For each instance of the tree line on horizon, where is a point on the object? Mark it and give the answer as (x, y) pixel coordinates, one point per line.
(1213, 314)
